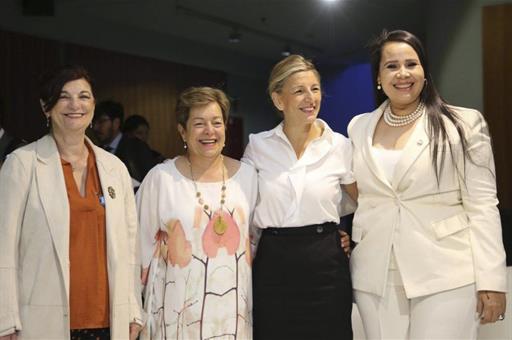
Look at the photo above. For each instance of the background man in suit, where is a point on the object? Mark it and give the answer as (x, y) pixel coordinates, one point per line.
(138, 127)
(135, 154)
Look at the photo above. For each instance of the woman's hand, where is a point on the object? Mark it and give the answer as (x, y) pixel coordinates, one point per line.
(345, 242)
(491, 306)
(135, 329)
(352, 191)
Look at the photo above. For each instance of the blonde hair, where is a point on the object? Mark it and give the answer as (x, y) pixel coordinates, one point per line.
(287, 67)
(199, 96)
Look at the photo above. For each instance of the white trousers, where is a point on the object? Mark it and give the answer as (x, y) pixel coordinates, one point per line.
(446, 315)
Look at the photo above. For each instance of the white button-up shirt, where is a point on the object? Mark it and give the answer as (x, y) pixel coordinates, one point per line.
(298, 192)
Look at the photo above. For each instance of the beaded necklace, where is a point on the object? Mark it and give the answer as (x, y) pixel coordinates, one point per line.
(397, 120)
(220, 225)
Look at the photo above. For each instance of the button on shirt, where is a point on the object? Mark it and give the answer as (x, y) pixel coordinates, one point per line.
(298, 192)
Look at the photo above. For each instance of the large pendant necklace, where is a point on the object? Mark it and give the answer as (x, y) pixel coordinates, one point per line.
(219, 225)
(398, 120)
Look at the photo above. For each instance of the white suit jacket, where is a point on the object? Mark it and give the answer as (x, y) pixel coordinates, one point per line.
(444, 235)
(34, 243)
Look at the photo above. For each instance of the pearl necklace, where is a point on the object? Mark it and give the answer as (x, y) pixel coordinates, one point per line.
(220, 225)
(397, 120)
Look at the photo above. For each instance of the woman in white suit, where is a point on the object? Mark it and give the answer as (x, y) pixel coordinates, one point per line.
(429, 261)
(68, 261)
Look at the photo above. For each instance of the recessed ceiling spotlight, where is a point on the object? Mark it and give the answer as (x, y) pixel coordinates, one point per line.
(286, 51)
(234, 37)
(330, 0)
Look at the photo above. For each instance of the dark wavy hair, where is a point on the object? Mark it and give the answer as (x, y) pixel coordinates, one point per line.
(436, 107)
(52, 82)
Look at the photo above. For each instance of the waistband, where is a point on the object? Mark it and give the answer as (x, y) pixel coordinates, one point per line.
(314, 229)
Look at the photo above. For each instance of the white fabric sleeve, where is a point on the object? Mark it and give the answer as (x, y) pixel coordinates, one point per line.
(149, 214)
(14, 186)
(134, 282)
(479, 198)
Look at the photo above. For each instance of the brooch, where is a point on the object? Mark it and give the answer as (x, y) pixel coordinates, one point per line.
(111, 192)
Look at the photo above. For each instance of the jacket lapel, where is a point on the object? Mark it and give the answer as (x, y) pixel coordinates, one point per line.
(416, 144)
(111, 193)
(368, 143)
(53, 195)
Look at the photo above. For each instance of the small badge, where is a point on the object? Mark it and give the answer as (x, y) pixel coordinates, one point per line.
(111, 192)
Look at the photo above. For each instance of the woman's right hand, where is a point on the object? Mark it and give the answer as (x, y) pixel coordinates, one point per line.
(12, 336)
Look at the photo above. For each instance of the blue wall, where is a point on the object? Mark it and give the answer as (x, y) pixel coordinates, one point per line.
(347, 92)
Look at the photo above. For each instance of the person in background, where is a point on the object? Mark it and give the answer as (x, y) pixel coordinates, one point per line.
(135, 154)
(69, 265)
(137, 126)
(8, 142)
(429, 261)
(301, 276)
(194, 215)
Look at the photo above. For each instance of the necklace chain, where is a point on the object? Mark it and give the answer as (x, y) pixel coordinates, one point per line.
(199, 196)
(398, 120)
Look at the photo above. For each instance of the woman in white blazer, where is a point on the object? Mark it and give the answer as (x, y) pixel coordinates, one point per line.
(429, 261)
(41, 241)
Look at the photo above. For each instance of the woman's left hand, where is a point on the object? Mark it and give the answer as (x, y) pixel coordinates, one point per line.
(491, 306)
(345, 242)
(135, 329)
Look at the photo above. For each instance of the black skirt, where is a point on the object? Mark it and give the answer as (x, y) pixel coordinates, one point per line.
(301, 285)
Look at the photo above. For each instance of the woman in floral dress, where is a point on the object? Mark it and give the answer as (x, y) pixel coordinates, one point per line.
(194, 213)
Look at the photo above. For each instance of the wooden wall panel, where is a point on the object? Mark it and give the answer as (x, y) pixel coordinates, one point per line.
(21, 60)
(144, 86)
(497, 68)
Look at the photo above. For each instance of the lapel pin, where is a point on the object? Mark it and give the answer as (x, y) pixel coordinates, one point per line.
(419, 142)
(111, 192)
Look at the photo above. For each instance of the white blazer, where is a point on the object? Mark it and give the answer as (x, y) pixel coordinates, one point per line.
(34, 243)
(444, 235)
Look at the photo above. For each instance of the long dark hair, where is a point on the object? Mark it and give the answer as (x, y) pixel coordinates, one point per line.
(435, 106)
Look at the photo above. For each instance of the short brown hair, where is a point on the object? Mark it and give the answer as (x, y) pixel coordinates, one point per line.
(287, 67)
(52, 82)
(199, 96)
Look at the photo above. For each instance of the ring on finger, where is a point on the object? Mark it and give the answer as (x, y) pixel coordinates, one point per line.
(501, 317)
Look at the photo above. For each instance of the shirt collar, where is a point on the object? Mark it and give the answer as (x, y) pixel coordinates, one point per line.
(115, 143)
(327, 133)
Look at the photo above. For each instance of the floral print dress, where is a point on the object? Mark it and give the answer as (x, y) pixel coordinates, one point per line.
(197, 271)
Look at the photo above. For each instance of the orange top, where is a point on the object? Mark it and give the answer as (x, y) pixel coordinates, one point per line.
(89, 293)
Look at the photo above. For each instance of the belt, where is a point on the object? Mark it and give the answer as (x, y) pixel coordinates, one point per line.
(314, 229)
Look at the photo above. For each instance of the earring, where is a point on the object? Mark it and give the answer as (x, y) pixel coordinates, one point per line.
(184, 145)
(47, 121)
(90, 125)
(379, 87)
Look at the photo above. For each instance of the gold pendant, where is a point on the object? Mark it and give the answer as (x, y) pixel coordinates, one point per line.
(220, 226)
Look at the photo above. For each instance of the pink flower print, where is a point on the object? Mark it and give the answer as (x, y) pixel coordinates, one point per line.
(221, 231)
(179, 248)
(160, 250)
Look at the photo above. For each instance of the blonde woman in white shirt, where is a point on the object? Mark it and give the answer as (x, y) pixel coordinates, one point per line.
(301, 277)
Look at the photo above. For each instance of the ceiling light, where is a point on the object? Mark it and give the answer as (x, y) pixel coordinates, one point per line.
(286, 51)
(234, 37)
